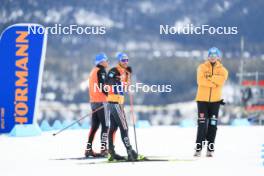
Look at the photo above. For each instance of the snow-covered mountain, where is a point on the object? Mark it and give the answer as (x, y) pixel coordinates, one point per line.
(139, 20)
(133, 27)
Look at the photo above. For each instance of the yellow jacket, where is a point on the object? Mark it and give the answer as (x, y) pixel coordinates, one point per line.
(210, 80)
(116, 94)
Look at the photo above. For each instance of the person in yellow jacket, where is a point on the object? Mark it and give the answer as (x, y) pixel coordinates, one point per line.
(211, 76)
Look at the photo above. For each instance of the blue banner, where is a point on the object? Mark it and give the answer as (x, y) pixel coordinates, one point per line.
(22, 54)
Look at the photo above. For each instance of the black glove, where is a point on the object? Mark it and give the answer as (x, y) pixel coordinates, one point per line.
(113, 76)
(129, 69)
(222, 102)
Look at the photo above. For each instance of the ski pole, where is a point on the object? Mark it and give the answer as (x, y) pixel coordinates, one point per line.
(132, 112)
(76, 121)
(133, 118)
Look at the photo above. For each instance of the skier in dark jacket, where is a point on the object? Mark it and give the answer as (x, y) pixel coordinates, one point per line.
(118, 78)
(98, 102)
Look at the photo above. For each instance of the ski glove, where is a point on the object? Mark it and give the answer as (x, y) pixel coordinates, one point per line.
(129, 69)
(222, 102)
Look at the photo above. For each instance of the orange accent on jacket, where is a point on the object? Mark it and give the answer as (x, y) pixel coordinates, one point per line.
(117, 95)
(96, 95)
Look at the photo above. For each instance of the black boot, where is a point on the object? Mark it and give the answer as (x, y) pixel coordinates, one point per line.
(209, 153)
(112, 156)
(103, 154)
(89, 151)
(104, 150)
(132, 155)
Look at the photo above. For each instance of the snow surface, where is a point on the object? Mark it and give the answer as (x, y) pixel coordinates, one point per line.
(238, 152)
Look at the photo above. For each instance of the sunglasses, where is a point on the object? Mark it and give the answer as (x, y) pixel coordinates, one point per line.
(124, 60)
(213, 56)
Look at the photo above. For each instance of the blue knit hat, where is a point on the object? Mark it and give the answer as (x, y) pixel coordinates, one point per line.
(100, 58)
(122, 57)
(214, 52)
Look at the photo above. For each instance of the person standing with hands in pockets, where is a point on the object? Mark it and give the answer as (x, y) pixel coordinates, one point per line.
(211, 76)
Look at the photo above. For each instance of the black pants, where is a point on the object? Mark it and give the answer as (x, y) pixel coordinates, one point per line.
(99, 117)
(118, 119)
(207, 124)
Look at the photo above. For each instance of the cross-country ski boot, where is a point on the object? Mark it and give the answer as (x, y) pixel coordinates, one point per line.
(103, 154)
(209, 153)
(197, 153)
(113, 156)
(132, 155)
(89, 151)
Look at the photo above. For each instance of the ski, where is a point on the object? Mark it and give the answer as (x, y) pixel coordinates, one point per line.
(103, 160)
(145, 159)
(80, 158)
